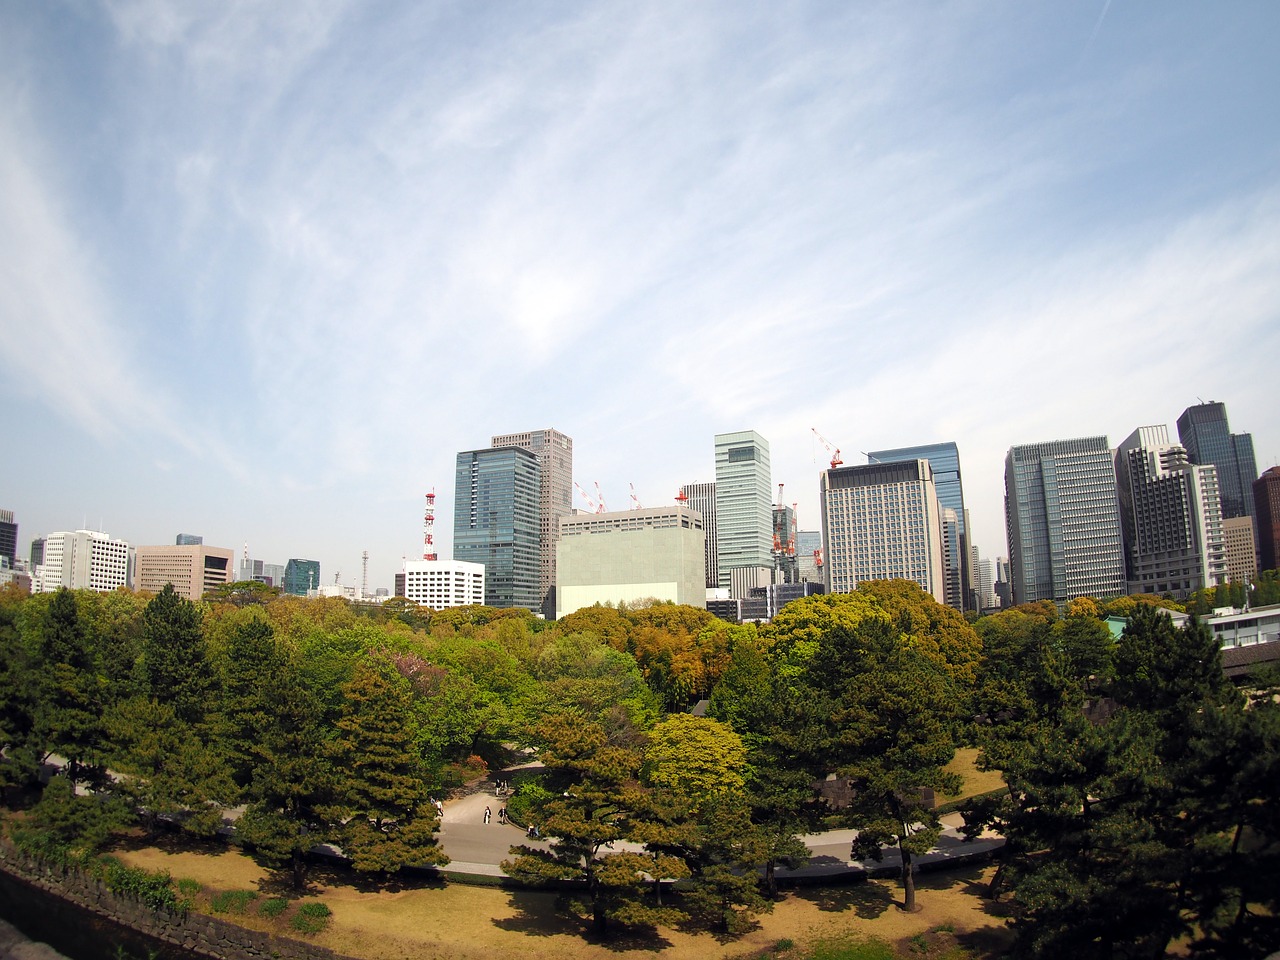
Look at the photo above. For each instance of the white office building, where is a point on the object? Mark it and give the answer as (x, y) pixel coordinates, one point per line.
(440, 584)
(82, 560)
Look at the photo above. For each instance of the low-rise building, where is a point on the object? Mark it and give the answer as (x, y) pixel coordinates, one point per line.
(440, 584)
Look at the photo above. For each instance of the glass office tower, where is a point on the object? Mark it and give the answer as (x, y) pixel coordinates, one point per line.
(496, 519)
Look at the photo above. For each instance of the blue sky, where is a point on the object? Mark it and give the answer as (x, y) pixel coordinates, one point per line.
(268, 266)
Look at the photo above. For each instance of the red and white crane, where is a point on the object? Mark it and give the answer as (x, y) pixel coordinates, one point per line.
(831, 449)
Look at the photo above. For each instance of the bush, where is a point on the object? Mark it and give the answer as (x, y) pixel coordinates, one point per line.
(155, 890)
(232, 901)
(273, 907)
(311, 917)
(527, 799)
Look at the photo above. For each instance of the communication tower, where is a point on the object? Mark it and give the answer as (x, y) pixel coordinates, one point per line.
(429, 528)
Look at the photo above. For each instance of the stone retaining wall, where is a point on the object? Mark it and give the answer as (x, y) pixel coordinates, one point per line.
(196, 934)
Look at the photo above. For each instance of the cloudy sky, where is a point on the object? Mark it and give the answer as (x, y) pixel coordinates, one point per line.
(266, 267)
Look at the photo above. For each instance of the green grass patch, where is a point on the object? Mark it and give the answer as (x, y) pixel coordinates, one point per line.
(850, 948)
(272, 907)
(311, 917)
(975, 782)
(232, 901)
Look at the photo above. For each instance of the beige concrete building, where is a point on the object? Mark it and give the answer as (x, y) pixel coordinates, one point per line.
(193, 570)
(1242, 553)
(631, 555)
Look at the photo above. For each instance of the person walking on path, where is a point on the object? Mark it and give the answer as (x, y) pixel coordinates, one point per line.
(487, 814)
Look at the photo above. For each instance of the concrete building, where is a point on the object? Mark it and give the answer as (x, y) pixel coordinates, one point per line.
(987, 585)
(555, 498)
(439, 584)
(1205, 433)
(497, 522)
(882, 521)
(82, 560)
(744, 512)
(631, 555)
(8, 536)
(701, 498)
(1062, 519)
(944, 460)
(188, 540)
(1239, 537)
(193, 570)
(1171, 516)
(1266, 500)
(301, 577)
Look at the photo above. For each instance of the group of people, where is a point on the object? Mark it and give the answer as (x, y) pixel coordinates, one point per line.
(502, 814)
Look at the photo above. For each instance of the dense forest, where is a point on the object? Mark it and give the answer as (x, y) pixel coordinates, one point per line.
(1139, 811)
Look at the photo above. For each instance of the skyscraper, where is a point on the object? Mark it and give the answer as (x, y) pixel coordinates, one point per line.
(1204, 431)
(744, 512)
(702, 498)
(944, 459)
(555, 499)
(1062, 520)
(881, 521)
(1171, 516)
(1266, 499)
(496, 522)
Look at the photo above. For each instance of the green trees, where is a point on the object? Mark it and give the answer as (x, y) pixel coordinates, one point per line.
(1127, 834)
(595, 783)
(384, 798)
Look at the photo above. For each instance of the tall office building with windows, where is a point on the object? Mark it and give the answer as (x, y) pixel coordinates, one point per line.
(1206, 434)
(497, 522)
(1171, 516)
(944, 460)
(701, 497)
(881, 521)
(1062, 520)
(554, 451)
(744, 512)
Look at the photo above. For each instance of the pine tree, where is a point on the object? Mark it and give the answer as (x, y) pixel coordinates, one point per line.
(384, 793)
(174, 661)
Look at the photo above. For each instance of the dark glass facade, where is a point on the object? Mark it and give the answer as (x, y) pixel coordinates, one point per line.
(1205, 432)
(301, 576)
(496, 522)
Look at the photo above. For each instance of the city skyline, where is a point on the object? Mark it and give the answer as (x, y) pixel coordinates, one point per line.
(255, 252)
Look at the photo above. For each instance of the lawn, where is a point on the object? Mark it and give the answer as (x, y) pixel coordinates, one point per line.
(458, 922)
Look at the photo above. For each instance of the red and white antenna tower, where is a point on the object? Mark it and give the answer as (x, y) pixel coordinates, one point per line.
(429, 528)
(682, 498)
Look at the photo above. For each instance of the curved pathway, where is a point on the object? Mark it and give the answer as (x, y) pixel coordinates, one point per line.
(478, 849)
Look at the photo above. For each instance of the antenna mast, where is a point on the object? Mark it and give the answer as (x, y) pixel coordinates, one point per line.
(429, 528)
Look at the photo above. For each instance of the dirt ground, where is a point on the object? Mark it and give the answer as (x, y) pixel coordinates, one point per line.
(459, 922)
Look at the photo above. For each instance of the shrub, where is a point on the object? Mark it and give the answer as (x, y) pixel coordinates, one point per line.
(528, 797)
(311, 917)
(153, 889)
(273, 907)
(232, 901)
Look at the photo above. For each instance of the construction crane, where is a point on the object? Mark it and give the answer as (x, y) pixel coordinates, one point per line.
(591, 504)
(635, 501)
(831, 448)
(600, 497)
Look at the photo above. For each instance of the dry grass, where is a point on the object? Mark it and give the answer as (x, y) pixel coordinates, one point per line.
(459, 922)
(976, 782)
